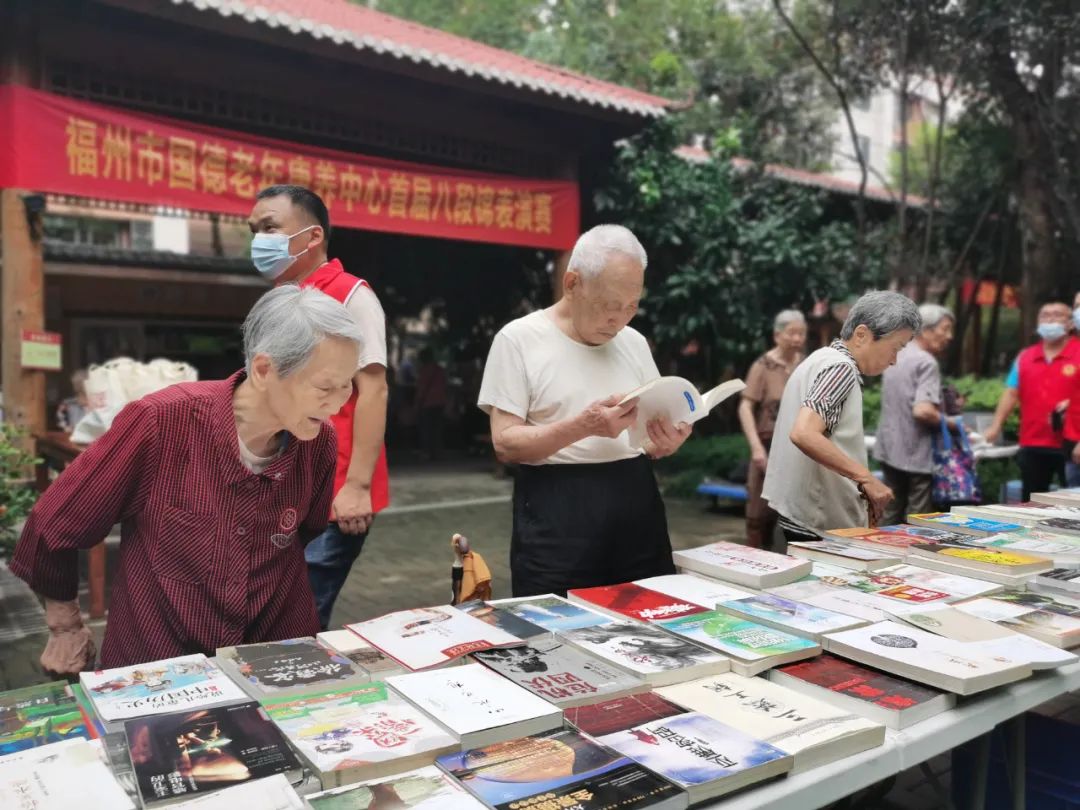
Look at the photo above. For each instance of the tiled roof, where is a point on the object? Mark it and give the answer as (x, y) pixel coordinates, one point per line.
(343, 22)
(802, 177)
(127, 257)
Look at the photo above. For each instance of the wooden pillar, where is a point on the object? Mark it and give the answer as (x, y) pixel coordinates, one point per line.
(22, 306)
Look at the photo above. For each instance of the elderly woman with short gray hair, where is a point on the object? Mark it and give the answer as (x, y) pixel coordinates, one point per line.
(217, 486)
(818, 477)
(911, 414)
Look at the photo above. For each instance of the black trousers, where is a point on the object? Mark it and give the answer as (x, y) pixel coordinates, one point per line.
(1039, 466)
(582, 525)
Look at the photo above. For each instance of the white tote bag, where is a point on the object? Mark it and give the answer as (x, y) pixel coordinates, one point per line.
(113, 384)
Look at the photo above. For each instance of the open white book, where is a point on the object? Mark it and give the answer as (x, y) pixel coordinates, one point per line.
(678, 400)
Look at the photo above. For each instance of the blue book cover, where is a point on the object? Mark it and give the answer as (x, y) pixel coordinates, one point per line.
(797, 616)
(553, 614)
(693, 749)
(965, 523)
(562, 765)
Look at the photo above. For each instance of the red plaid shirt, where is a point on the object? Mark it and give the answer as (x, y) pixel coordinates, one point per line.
(211, 554)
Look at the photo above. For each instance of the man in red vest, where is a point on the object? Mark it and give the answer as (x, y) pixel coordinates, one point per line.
(291, 228)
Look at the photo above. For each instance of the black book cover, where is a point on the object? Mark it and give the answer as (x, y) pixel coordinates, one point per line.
(188, 753)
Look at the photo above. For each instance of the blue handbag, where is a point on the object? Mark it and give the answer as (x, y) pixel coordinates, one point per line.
(954, 478)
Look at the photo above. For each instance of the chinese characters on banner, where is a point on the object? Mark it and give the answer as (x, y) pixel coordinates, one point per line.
(65, 146)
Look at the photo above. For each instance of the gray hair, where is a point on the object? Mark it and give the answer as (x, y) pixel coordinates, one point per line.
(933, 314)
(882, 312)
(289, 322)
(594, 248)
(784, 319)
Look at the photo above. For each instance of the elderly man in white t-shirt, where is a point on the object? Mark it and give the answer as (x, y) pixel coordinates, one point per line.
(587, 510)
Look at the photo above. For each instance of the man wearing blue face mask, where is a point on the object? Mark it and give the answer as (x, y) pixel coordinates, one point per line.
(1042, 381)
(291, 228)
(1072, 419)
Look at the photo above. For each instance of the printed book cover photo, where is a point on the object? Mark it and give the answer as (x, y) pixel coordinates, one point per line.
(187, 753)
(632, 601)
(553, 613)
(40, 715)
(292, 665)
(563, 767)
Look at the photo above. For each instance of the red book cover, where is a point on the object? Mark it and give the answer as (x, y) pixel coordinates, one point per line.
(636, 602)
(845, 677)
(619, 714)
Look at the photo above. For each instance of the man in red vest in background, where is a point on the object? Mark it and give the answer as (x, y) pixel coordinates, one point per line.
(291, 228)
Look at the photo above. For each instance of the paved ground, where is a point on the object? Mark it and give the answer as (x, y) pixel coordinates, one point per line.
(407, 563)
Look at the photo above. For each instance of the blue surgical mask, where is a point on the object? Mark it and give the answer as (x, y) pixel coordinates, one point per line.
(270, 253)
(1076, 318)
(1051, 331)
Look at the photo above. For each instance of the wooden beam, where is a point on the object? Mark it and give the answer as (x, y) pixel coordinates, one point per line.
(22, 306)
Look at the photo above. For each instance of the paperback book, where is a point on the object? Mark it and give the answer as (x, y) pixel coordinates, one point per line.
(1058, 580)
(559, 769)
(502, 619)
(814, 732)
(1062, 497)
(553, 613)
(422, 789)
(560, 673)
(894, 542)
(797, 618)
(632, 601)
(962, 524)
(647, 652)
(752, 647)
(288, 667)
(865, 607)
(478, 706)
(363, 732)
(1064, 551)
(1022, 514)
(896, 702)
(678, 400)
(916, 654)
(620, 714)
(59, 776)
(703, 756)
(40, 715)
(696, 590)
(158, 687)
(366, 658)
(845, 555)
(742, 565)
(906, 583)
(994, 564)
(272, 793)
(184, 754)
(423, 638)
(1061, 525)
(1018, 614)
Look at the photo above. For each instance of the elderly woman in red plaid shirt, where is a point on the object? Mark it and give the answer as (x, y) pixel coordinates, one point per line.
(217, 486)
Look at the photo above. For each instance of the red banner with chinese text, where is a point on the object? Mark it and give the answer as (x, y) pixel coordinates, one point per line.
(51, 143)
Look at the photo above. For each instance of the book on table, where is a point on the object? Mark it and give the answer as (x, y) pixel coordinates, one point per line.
(694, 588)
(752, 647)
(678, 400)
(893, 539)
(60, 776)
(158, 687)
(270, 793)
(962, 524)
(742, 565)
(425, 788)
(503, 619)
(620, 714)
(896, 702)
(362, 732)
(476, 705)
(987, 637)
(647, 652)
(560, 768)
(1032, 614)
(789, 615)
(1065, 581)
(1027, 515)
(629, 600)
(994, 564)
(560, 673)
(865, 607)
(812, 731)
(909, 584)
(705, 757)
(1063, 550)
(424, 638)
(377, 664)
(40, 715)
(289, 667)
(184, 754)
(924, 657)
(1069, 498)
(1069, 526)
(845, 555)
(552, 612)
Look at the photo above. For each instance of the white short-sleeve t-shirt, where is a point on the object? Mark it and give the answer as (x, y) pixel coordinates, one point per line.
(537, 372)
(365, 308)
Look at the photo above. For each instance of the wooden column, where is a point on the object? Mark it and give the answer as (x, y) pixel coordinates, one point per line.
(22, 306)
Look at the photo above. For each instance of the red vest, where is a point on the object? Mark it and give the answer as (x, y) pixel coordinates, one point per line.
(332, 279)
(1042, 386)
